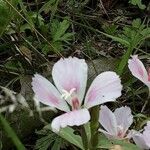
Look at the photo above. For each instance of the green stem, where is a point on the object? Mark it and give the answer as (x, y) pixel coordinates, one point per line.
(94, 127)
(148, 93)
(11, 133)
(124, 60)
(84, 138)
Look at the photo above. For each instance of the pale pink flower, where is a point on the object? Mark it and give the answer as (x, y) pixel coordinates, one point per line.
(138, 70)
(70, 78)
(115, 124)
(142, 140)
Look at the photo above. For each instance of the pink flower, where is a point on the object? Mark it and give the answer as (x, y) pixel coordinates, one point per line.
(143, 139)
(70, 78)
(115, 124)
(138, 70)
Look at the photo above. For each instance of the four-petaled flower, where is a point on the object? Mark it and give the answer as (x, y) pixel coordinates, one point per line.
(70, 78)
(138, 70)
(143, 139)
(115, 124)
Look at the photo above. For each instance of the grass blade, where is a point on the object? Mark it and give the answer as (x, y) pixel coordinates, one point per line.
(10, 132)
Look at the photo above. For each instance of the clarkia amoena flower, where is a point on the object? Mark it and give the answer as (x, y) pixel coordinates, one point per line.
(139, 71)
(115, 124)
(70, 78)
(143, 139)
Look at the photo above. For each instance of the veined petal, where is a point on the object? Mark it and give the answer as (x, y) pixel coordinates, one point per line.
(124, 117)
(105, 87)
(138, 70)
(72, 118)
(47, 94)
(71, 73)
(108, 121)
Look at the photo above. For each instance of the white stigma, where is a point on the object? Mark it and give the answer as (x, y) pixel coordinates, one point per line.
(67, 95)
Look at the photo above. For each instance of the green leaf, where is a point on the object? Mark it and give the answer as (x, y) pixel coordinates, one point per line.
(58, 30)
(6, 14)
(49, 139)
(25, 12)
(134, 35)
(88, 130)
(66, 37)
(68, 134)
(57, 144)
(118, 39)
(48, 6)
(137, 3)
(110, 29)
(45, 142)
(105, 143)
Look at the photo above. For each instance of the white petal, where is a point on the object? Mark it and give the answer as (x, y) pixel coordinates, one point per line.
(124, 117)
(108, 121)
(107, 134)
(70, 73)
(72, 118)
(147, 127)
(140, 142)
(47, 94)
(138, 70)
(146, 134)
(105, 87)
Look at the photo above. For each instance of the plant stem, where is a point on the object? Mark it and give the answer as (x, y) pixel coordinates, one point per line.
(94, 127)
(124, 60)
(11, 133)
(84, 138)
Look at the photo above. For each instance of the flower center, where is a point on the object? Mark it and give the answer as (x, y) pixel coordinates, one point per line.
(71, 98)
(67, 95)
(120, 131)
(75, 103)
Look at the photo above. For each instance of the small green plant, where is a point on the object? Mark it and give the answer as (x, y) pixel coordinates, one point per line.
(131, 37)
(6, 15)
(137, 3)
(135, 35)
(49, 139)
(59, 35)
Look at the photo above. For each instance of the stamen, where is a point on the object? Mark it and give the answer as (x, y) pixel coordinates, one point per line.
(66, 95)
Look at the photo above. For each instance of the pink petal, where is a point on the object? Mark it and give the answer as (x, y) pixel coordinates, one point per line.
(72, 118)
(108, 121)
(71, 73)
(147, 127)
(47, 94)
(138, 70)
(124, 117)
(107, 134)
(105, 87)
(140, 142)
(146, 134)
